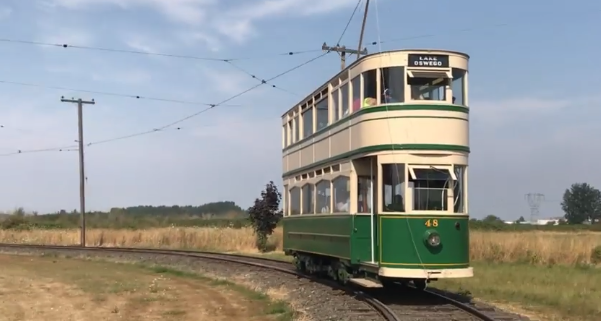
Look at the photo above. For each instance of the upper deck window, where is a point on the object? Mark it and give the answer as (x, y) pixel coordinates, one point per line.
(308, 122)
(458, 86)
(370, 88)
(336, 104)
(393, 85)
(428, 85)
(321, 111)
(296, 123)
(356, 89)
(344, 100)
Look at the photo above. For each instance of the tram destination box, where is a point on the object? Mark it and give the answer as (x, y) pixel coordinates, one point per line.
(435, 61)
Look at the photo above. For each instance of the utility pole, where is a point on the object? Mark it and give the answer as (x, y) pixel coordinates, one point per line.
(343, 51)
(82, 175)
(362, 29)
(534, 200)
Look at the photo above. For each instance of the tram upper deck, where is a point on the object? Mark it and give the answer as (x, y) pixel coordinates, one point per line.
(408, 101)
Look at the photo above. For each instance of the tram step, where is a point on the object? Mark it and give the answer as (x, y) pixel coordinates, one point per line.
(366, 283)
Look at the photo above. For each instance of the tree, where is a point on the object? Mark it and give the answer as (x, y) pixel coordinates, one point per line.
(492, 219)
(520, 220)
(265, 214)
(581, 202)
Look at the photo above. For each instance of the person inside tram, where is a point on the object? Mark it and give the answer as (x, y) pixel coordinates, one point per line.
(397, 204)
(453, 99)
(387, 98)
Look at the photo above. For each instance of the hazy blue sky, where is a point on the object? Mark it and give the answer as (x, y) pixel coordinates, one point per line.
(534, 94)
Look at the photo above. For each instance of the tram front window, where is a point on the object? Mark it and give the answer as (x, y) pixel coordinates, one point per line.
(430, 188)
(393, 187)
(428, 88)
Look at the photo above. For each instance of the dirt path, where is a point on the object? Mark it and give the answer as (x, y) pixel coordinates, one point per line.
(42, 288)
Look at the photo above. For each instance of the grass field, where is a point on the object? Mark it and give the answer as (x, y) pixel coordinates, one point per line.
(532, 247)
(548, 275)
(51, 288)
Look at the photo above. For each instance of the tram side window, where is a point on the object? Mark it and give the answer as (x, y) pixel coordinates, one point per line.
(342, 194)
(459, 190)
(344, 100)
(458, 86)
(356, 90)
(285, 203)
(321, 110)
(370, 88)
(335, 104)
(285, 135)
(323, 197)
(295, 201)
(430, 188)
(296, 123)
(427, 88)
(364, 196)
(393, 187)
(308, 122)
(308, 201)
(393, 85)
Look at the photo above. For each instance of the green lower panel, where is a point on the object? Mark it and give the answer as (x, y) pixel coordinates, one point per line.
(402, 241)
(343, 236)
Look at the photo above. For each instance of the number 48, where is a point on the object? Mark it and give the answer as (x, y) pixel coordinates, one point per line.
(432, 223)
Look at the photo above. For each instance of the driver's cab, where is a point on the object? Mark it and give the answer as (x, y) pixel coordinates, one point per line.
(431, 78)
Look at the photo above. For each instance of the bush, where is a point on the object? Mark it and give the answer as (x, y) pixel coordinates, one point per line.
(596, 255)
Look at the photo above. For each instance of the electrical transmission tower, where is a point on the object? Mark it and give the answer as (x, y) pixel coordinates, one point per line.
(534, 200)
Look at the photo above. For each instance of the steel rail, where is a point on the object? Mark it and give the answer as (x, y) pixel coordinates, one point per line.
(469, 309)
(377, 305)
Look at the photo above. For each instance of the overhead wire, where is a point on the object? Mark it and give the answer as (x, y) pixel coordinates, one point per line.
(106, 93)
(149, 53)
(164, 127)
(349, 22)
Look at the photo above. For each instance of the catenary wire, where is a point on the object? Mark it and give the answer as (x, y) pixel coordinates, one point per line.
(211, 106)
(164, 127)
(290, 53)
(349, 22)
(106, 93)
(260, 79)
(148, 53)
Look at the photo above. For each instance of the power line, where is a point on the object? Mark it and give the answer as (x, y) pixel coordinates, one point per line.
(349, 22)
(266, 55)
(166, 126)
(148, 53)
(107, 93)
(260, 79)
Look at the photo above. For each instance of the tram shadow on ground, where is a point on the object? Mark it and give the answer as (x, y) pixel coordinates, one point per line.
(402, 295)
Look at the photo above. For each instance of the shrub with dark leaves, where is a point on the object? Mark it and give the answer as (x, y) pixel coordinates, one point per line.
(265, 214)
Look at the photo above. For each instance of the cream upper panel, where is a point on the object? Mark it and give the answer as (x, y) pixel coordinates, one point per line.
(407, 58)
(384, 130)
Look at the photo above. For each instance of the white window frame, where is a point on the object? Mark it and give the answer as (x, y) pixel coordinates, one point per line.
(446, 73)
(409, 191)
(448, 168)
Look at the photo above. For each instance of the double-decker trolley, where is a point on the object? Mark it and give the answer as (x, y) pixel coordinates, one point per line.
(375, 171)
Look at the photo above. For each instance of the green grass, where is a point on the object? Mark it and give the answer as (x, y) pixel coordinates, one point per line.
(557, 292)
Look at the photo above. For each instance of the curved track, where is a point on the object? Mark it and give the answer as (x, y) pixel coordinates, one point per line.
(398, 304)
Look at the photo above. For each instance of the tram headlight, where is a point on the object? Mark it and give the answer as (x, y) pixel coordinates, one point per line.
(432, 238)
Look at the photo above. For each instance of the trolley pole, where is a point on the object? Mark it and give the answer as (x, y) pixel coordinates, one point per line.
(82, 176)
(342, 50)
(362, 30)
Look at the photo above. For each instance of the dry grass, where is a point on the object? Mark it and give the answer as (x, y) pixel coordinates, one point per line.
(53, 288)
(536, 247)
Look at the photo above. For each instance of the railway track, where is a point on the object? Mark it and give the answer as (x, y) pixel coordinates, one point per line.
(397, 304)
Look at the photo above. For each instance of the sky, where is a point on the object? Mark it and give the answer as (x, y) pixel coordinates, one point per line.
(533, 128)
